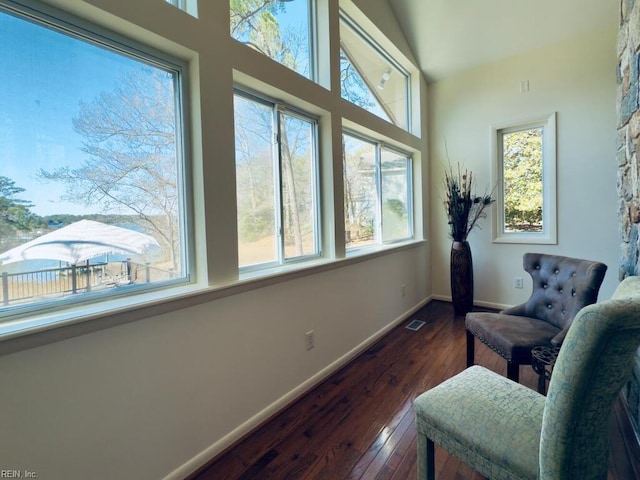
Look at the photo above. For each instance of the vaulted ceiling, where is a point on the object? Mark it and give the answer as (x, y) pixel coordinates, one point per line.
(450, 36)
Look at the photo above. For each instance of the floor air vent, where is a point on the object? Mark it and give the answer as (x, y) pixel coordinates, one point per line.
(415, 325)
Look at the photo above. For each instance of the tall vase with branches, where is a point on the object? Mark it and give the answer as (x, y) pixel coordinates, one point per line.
(465, 209)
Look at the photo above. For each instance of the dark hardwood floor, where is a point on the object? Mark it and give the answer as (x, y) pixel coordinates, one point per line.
(358, 424)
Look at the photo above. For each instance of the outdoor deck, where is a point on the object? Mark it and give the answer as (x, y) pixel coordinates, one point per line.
(30, 286)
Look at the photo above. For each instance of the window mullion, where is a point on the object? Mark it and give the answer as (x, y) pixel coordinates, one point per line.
(313, 41)
(277, 184)
(316, 190)
(378, 174)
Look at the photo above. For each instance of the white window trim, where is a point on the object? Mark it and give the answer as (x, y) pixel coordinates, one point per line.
(369, 40)
(410, 213)
(46, 326)
(549, 235)
(278, 108)
(379, 243)
(313, 41)
(56, 312)
(189, 6)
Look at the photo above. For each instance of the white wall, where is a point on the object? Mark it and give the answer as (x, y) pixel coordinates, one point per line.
(576, 79)
(140, 400)
(166, 393)
(145, 398)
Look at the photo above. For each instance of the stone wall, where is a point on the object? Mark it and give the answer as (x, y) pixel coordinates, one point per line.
(628, 99)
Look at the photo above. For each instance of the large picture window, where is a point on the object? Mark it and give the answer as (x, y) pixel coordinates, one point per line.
(277, 186)
(525, 175)
(283, 30)
(377, 193)
(92, 181)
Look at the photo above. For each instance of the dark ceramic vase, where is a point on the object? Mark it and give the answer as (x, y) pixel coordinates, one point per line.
(461, 277)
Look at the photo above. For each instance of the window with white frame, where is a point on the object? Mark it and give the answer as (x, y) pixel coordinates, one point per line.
(283, 30)
(276, 181)
(524, 171)
(189, 6)
(370, 78)
(92, 187)
(377, 192)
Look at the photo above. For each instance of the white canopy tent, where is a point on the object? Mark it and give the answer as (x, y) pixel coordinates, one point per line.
(82, 241)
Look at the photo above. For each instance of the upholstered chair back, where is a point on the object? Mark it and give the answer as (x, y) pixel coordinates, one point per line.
(593, 365)
(497, 426)
(561, 287)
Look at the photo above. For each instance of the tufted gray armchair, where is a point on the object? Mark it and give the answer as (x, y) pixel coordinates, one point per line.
(507, 431)
(561, 287)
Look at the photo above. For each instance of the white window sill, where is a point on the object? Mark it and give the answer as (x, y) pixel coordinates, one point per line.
(51, 325)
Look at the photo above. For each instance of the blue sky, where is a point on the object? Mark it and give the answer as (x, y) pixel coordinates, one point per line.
(295, 13)
(47, 75)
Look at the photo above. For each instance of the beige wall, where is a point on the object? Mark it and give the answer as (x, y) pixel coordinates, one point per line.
(143, 399)
(576, 79)
(166, 393)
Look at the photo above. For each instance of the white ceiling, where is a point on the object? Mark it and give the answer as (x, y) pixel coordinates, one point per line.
(450, 36)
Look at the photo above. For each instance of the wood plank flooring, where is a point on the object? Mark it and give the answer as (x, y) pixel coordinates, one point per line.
(358, 424)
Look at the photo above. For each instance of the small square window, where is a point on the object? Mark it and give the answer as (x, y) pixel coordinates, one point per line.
(282, 30)
(189, 6)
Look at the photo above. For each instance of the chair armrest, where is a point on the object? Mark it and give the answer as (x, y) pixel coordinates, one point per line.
(518, 310)
(628, 288)
(559, 338)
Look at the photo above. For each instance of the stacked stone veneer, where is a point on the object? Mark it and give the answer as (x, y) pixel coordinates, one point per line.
(628, 99)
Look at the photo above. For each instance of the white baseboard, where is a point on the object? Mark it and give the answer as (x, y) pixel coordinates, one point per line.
(442, 298)
(261, 417)
(478, 303)
(497, 306)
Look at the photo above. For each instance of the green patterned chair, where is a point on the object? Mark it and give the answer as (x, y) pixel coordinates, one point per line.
(507, 431)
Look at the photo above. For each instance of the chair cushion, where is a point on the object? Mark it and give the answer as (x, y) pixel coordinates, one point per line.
(485, 420)
(511, 336)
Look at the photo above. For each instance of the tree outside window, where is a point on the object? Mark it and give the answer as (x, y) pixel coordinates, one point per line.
(370, 78)
(281, 30)
(524, 172)
(522, 167)
(377, 193)
(276, 180)
(87, 133)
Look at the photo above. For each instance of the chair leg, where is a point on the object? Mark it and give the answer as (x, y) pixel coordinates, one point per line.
(470, 348)
(425, 461)
(431, 464)
(513, 372)
(542, 384)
